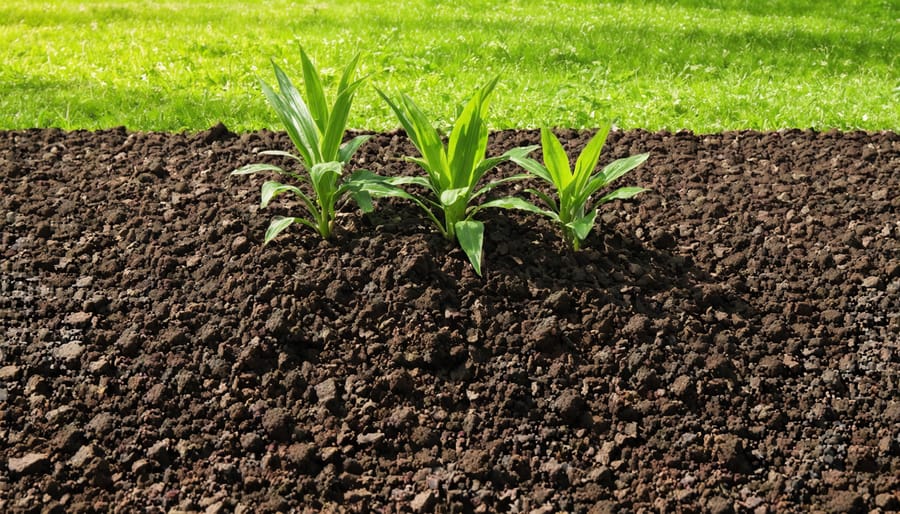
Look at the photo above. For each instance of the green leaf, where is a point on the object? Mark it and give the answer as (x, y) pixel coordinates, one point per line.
(279, 153)
(614, 170)
(291, 124)
(271, 189)
(296, 115)
(418, 181)
(350, 147)
(547, 199)
(498, 182)
(520, 152)
(535, 168)
(255, 168)
(470, 235)
(364, 200)
(556, 160)
(386, 189)
(512, 202)
(315, 94)
(347, 76)
(365, 176)
(451, 196)
(278, 224)
(588, 158)
(324, 178)
(468, 139)
(619, 167)
(337, 123)
(422, 134)
(623, 193)
(321, 171)
(489, 163)
(582, 226)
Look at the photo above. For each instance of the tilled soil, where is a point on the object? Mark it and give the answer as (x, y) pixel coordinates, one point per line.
(727, 342)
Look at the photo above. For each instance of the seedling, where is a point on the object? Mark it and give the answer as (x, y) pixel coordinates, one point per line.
(317, 130)
(574, 189)
(453, 171)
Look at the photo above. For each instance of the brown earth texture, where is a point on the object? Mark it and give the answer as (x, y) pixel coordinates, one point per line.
(727, 342)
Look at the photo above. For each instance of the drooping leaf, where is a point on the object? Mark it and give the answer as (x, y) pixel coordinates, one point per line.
(470, 235)
(364, 200)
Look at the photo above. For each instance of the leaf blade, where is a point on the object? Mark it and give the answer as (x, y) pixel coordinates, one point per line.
(470, 235)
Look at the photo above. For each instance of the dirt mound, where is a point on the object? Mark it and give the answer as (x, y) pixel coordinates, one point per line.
(727, 343)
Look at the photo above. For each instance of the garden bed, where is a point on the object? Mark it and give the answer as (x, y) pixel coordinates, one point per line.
(726, 342)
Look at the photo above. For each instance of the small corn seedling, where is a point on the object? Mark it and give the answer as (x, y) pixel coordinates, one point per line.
(317, 130)
(574, 189)
(453, 172)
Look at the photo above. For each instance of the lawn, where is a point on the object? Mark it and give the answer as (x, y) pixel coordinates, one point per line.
(706, 66)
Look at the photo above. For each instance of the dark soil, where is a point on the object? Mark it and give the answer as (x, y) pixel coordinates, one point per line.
(727, 343)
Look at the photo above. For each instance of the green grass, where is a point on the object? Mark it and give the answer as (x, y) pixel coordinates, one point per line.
(702, 65)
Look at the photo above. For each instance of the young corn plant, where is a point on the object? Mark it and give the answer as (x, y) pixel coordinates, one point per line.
(453, 172)
(574, 188)
(317, 130)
